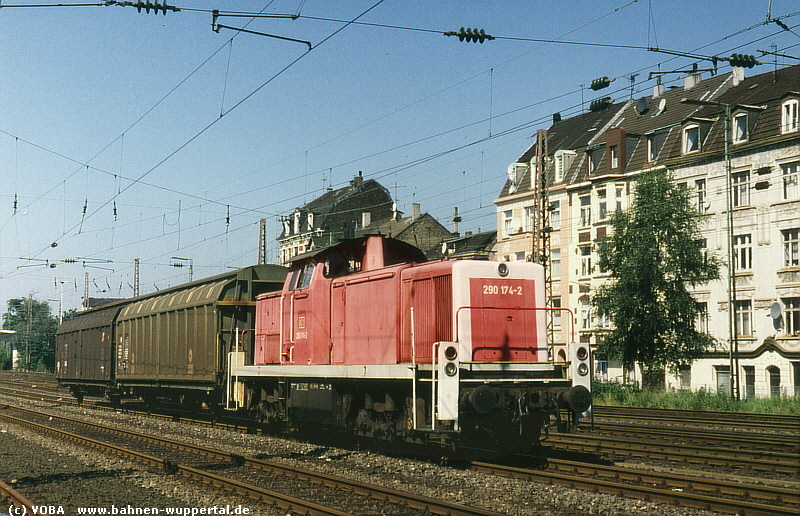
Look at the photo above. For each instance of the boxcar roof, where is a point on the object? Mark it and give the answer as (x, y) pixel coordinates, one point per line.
(96, 318)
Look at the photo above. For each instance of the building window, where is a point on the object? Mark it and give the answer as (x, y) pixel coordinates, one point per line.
(555, 302)
(563, 160)
(789, 118)
(685, 373)
(601, 370)
(743, 252)
(749, 381)
(586, 211)
(651, 148)
(614, 156)
(555, 214)
(774, 381)
(618, 195)
(741, 188)
(703, 249)
(791, 247)
(791, 313)
(701, 323)
(555, 263)
(691, 139)
(586, 314)
(508, 223)
(700, 190)
(603, 321)
(530, 212)
(740, 128)
(586, 260)
(601, 196)
(796, 369)
(791, 180)
(744, 318)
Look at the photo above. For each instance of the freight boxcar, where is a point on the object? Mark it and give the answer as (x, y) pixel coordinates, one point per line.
(85, 351)
(172, 343)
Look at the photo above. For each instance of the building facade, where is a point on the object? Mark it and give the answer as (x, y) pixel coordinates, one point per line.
(335, 215)
(590, 165)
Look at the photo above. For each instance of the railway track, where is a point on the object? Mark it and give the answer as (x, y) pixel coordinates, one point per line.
(773, 455)
(766, 462)
(337, 486)
(12, 498)
(684, 491)
(789, 424)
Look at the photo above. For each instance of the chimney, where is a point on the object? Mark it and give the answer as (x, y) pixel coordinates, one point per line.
(358, 179)
(456, 220)
(658, 89)
(556, 117)
(414, 210)
(366, 219)
(737, 74)
(691, 80)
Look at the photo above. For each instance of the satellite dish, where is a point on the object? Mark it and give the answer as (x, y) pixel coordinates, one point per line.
(641, 106)
(775, 310)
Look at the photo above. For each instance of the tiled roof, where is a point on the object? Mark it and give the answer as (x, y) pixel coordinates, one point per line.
(768, 89)
(568, 134)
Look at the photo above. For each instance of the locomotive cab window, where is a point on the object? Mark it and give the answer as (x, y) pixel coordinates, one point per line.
(341, 263)
(303, 276)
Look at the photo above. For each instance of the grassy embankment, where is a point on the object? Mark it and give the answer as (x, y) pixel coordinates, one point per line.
(612, 393)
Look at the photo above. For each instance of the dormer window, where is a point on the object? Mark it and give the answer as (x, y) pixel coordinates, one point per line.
(691, 139)
(740, 128)
(614, 156)
(789, 116)
(563, 160)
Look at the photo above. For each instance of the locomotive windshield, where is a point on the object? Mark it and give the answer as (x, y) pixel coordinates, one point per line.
(301, 278)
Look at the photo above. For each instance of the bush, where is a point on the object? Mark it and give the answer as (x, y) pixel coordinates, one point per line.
(613, 393)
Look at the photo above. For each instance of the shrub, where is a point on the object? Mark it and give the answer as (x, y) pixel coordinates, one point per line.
(613, 393)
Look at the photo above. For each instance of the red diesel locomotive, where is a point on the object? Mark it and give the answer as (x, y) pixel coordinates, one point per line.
(368, 338)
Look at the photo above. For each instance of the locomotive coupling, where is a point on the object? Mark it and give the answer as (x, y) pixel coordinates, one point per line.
(577, 399)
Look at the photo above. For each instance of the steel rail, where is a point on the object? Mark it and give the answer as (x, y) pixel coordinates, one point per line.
(741, 419)
(15, 498)
(746, 440)
(254, 492)
(424, 504)
(629, 483)
(783, 463)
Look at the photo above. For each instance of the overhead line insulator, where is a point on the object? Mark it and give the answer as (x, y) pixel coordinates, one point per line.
(743, 60)
(470, 35)
(155, 6)
(600, 83)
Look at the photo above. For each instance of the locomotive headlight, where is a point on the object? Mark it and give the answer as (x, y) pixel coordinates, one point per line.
(450, 353)
(502, 269)
(583, 369)
(450, 369)
(582, 353)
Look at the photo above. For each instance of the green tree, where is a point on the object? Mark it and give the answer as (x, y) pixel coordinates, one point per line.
(654, 252)
(36, 333)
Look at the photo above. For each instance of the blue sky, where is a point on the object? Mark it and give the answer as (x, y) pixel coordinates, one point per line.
(195, 135)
